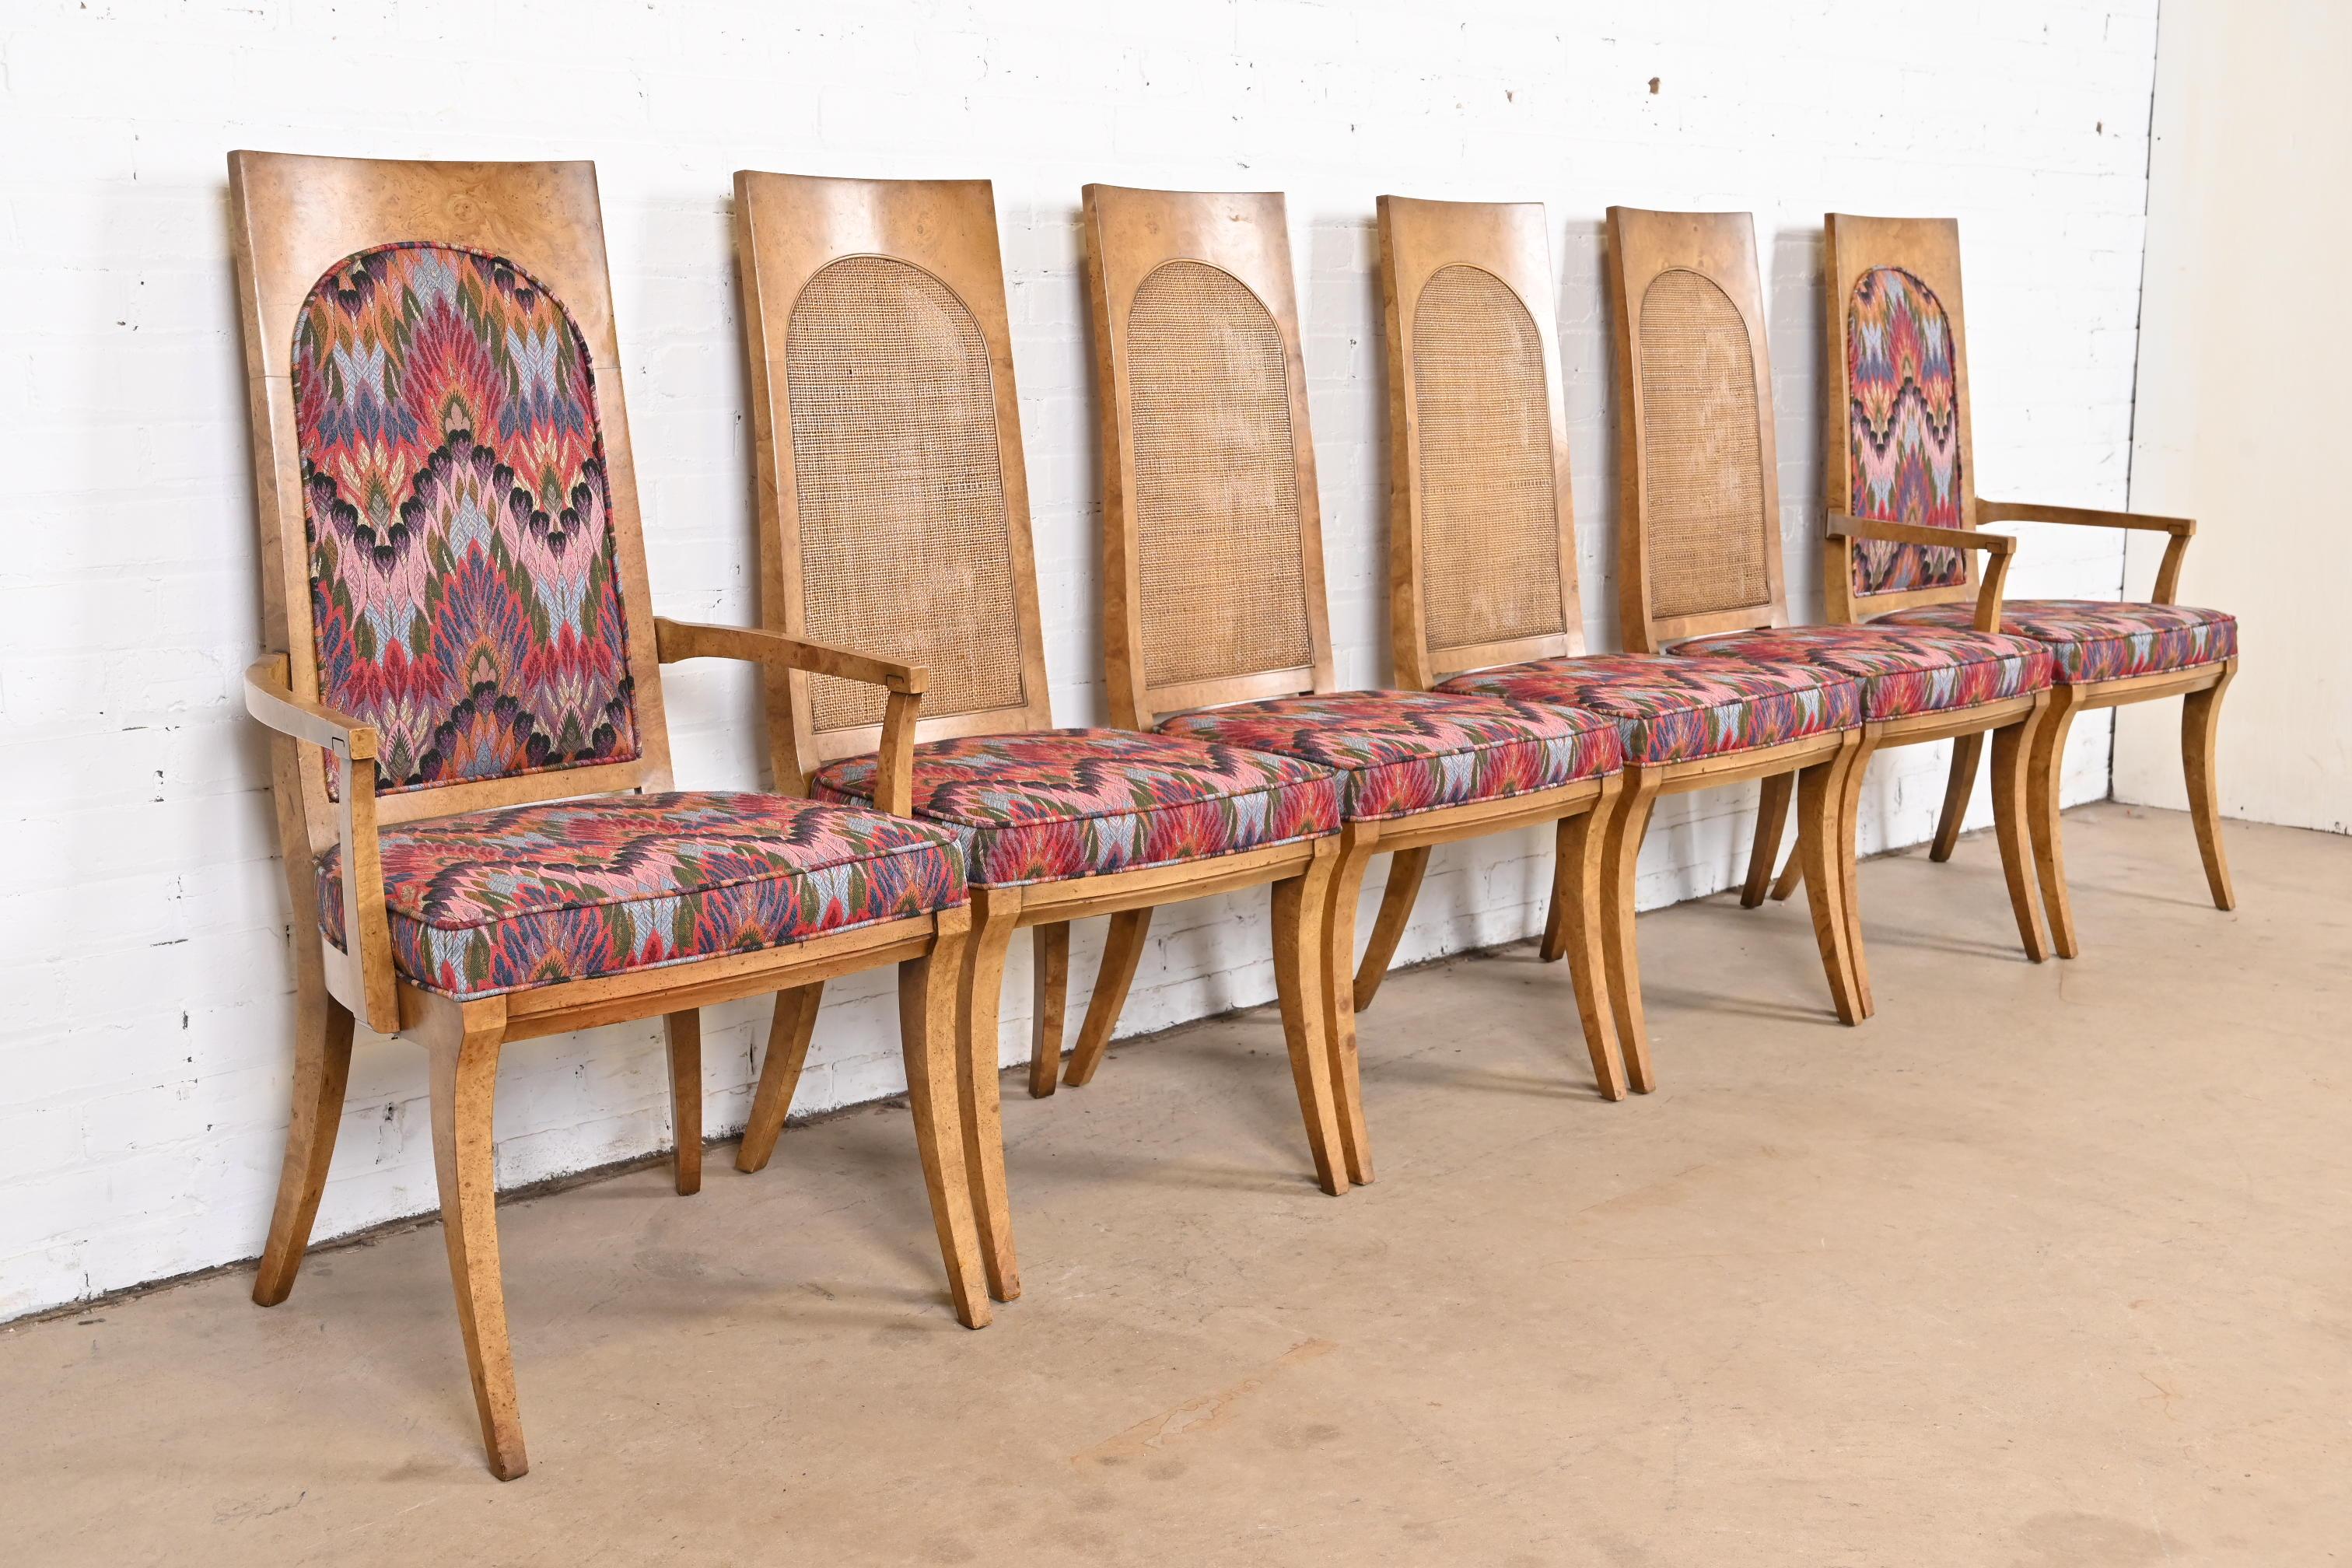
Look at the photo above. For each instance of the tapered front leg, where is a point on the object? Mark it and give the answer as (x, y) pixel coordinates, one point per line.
(464, 1043)
(2046, 769)
(1849, 834)
(1626, 826)
(2012, 748)
(1298, 952)
(684, 1034)
(995, 915)
(2200, 734)
(939, 1081)
(1584, 850)
(1820, 793)
(322, 1069)
(1358, 844)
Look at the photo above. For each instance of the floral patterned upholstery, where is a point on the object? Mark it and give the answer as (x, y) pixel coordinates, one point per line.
(534, 895)
(1051, 805)
(1904, 671)
(2100, 641)
(1670, 710)
(1399, 752)
(463, 595)
(1903, 430)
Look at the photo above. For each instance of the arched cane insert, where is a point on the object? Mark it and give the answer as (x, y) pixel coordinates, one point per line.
(901, 489)
(1710, 540)
(1489, 503)
(1216, 480)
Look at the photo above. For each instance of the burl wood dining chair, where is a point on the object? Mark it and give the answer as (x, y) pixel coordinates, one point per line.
(894, 504)
(1699, 542)
(1896, 385)
(464, 689)
(1215, 620)
(1482, 594)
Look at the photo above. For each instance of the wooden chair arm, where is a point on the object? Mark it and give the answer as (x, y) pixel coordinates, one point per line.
(2176, 547)
(894, 780)
(1845, 527)
(270, 697)
(2000, 548)
(696, 639)
(366, 967)
(2082, 517)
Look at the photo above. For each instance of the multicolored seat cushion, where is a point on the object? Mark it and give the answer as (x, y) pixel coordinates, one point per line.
(463, 595)
(2099, 640)
(1904, 671)
(535, 895)
(1399, 753)
(1051, 805)
(1670, 710)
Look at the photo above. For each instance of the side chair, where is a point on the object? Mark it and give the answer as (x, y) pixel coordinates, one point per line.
(894, 506)
(481, 838)
(1482, 594)
(1215, 622)
(1896, 386)
(1699, 542)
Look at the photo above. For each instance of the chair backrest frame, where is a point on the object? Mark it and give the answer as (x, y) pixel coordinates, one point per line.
(295, 219)
(789, 230)
(1131, 235)
(1505, 248)
(1929, 250)
(1720, 249)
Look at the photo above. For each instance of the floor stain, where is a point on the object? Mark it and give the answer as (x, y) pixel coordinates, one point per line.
(1204, 1414)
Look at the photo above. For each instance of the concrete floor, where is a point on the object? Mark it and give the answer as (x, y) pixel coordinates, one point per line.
(2046, 1266)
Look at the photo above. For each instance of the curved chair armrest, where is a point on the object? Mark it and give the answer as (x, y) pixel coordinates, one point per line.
(366, 965)
(894, 783)
(696, 639)
(269, 698)
(2176, 547)
(2001, 547)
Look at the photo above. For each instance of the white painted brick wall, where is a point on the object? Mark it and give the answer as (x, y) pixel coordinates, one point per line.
(143, 1060)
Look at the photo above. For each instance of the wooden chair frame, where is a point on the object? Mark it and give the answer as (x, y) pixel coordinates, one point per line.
(1129, 236)
(294, 219)
(1508, 242)
(789, 228)
(1929, 249)
(1721, 248)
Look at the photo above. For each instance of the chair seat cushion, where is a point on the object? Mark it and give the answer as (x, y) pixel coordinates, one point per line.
(1400, 753)
(536, 895)
(1051, 805)
(2101, 640)
(1670, 710)
(1904, 671)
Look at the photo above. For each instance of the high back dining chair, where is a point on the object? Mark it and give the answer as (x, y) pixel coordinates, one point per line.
(1482, 594)
(1699, 538)
(893, 502)
(1897, 426)
(463, 682)
(1215, 622)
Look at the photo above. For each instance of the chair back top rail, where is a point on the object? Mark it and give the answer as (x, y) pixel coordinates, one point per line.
(1699, 512)
(297, 221)
(1212, 547)
(893, 496)
(1482, 535)
(1897, 431)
